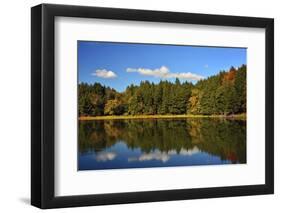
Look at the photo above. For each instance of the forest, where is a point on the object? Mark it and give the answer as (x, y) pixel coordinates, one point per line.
(221, 94)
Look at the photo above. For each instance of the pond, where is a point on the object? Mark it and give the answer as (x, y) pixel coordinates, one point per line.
(144, 143)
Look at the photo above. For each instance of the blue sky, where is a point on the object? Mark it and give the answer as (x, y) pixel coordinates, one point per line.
(118, 65)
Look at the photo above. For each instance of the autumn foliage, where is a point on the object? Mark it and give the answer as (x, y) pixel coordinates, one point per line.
(221, 94)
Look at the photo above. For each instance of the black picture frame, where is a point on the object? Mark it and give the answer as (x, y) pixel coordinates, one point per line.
(43, 102)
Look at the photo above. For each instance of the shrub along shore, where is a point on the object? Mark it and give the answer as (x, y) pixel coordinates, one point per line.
(116, 117)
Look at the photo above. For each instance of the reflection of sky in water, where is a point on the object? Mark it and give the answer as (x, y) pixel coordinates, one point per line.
(164, 156)
(147, 143)
(105, 156)
(120, 156)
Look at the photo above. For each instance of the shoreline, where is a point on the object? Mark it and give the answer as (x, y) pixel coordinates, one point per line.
(122, 117)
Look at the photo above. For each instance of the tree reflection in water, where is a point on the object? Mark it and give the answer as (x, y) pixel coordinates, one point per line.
(161, 140)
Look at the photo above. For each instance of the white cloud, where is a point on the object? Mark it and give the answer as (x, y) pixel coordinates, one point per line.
(103, 73)
(164, 72)
(161, 72)
(206, 66)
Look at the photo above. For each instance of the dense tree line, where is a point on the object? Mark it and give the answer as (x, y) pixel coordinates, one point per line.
(221, 94)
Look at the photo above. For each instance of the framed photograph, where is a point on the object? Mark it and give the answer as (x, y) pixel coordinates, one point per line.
(139, 106)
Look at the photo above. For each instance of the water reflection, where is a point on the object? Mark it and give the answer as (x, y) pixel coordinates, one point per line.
(151, 156)
(164, 157)
(105, 156)
(110, 144)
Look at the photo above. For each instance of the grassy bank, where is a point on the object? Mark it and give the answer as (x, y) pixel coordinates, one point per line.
(111, 117)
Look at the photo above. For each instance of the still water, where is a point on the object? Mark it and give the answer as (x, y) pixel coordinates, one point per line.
(116, 144)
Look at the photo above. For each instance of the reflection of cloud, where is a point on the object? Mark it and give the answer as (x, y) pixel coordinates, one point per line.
(105, 156)
(103, 73)
(164, 72)
(184, 152)
(189, 152)
(172, 152)
(152, 156)
(164, 157)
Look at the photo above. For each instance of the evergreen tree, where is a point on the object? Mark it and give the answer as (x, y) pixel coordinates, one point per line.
(224, 94)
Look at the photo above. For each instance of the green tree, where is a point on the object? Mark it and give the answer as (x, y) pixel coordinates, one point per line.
(224, 93)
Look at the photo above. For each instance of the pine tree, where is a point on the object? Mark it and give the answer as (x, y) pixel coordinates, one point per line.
(224, 93)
